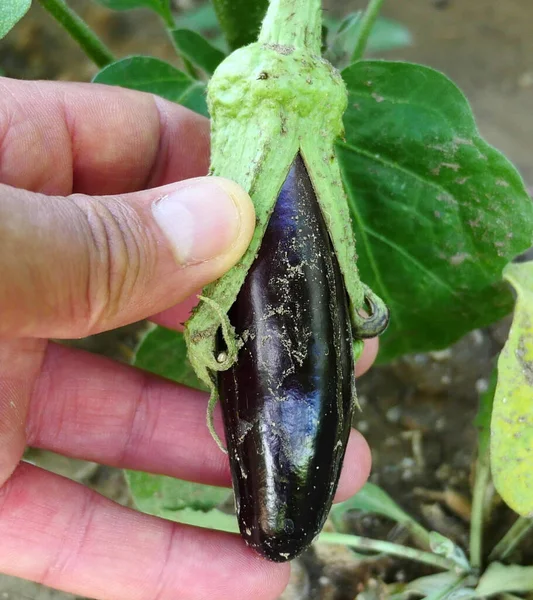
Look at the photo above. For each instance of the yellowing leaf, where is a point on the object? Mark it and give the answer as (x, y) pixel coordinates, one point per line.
(512, 415)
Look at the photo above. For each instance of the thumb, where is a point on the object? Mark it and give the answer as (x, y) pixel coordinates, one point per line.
(73, 266)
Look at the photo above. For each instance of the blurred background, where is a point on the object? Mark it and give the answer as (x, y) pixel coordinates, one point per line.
(418, 412)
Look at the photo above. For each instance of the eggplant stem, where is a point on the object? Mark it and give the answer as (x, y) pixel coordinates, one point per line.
(294, 23)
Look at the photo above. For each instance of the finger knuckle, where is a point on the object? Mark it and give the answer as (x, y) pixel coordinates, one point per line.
(121, 258)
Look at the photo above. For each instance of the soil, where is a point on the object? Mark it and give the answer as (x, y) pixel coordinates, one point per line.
(417, 413)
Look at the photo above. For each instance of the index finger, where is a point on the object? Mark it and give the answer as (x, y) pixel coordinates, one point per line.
(63, 138)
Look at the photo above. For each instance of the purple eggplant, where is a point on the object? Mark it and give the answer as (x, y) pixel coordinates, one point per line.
(287, 401)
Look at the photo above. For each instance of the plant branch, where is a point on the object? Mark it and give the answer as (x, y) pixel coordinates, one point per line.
(361, 543)
(520, 528)
(478, 500)
(93, 47)
(365, 28)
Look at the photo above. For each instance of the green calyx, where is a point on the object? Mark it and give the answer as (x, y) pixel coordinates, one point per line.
(269, 101)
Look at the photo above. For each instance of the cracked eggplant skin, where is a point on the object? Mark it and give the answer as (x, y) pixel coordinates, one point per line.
(287, 402)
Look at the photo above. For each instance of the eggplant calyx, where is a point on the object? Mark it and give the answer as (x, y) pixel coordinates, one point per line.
(221, 361)
(378, 319)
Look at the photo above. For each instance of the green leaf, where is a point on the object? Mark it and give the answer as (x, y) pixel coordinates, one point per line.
(372, 499)
(514, 536)
(163, 496)
(512, 416)
(163, 352)
(385, 35)
(197, 50)
(432, 584)
(240, 20)
(149, 74)
(388, 35)
(162, 7)
(11, 12)
(500, 578)
(437, 212)
(201, 19)
(443, 546)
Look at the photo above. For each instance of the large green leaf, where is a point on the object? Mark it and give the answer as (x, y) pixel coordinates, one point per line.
(512, 414)
(197, 50)
(437, 212)
(162, 7)
(11, 12)
(149, 74)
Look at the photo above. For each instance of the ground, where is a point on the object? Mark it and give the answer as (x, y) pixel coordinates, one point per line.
(417, 413)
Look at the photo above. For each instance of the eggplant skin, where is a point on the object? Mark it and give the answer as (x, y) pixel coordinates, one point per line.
(287, 402)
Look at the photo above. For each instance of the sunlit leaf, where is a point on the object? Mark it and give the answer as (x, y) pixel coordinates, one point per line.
(512, 415)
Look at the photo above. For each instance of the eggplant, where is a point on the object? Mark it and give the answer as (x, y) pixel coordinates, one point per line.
(275, 338)
(287, 401)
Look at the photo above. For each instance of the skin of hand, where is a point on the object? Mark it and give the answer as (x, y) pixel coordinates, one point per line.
(94, 234)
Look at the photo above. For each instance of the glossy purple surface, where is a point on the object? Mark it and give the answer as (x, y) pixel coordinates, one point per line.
(287, 402)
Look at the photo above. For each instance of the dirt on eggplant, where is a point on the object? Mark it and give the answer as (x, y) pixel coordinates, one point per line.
(417, 414)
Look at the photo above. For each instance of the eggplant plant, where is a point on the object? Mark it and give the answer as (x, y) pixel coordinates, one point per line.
(382, 154)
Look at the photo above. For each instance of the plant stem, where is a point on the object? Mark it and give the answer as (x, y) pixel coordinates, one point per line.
(478, 500)
(168, 19)
(296, 23)
(361, 543)
(520, 528)
(93, 47)
(170, 25)
(365, 28)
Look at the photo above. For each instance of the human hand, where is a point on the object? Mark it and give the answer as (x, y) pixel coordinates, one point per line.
(83, 248)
